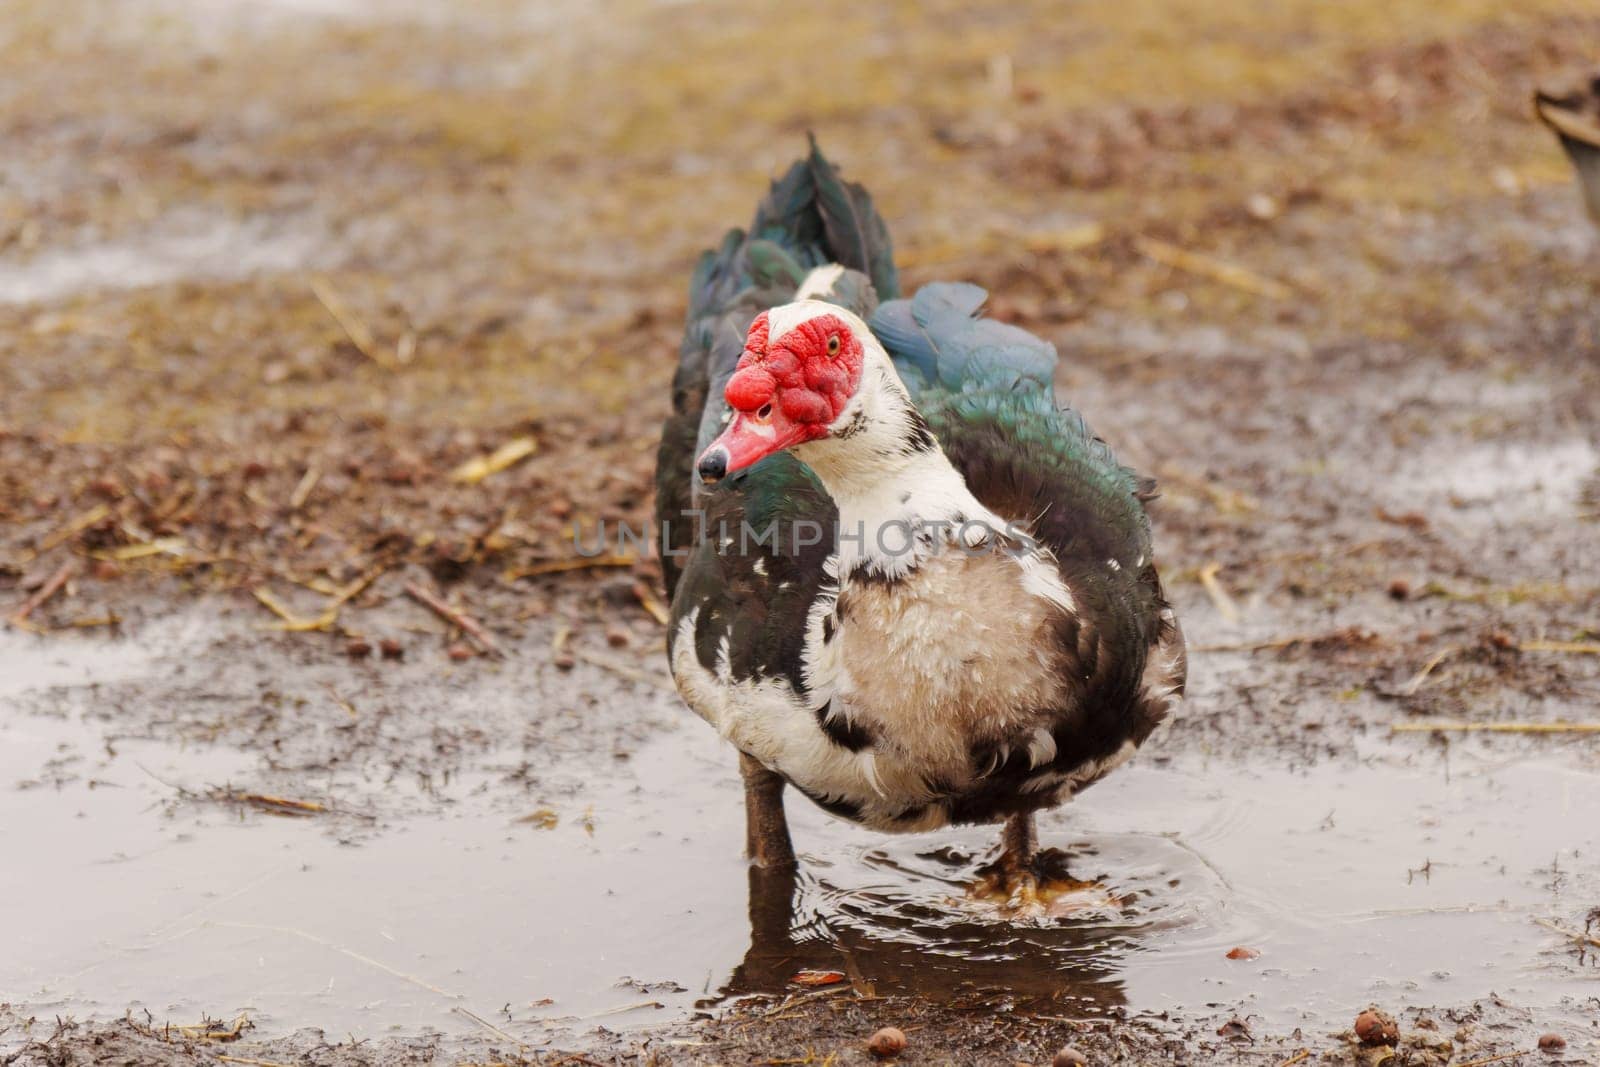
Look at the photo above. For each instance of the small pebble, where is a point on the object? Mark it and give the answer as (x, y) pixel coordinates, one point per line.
(357, 649)
(565, 661)
(887, 1042)
(1261, 206)
(106, 571)
(1502, 640)
(391, 649)
(1374, 1027)
(1552, 1042)
(1399, 589)
(459, 652)
(1242, 953)
(1069, 1057)
(617, 637)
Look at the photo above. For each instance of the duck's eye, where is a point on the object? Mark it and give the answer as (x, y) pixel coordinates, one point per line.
(765, 413)
(833, 344)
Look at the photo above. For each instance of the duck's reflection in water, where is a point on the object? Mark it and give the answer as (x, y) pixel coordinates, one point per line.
(910, 929)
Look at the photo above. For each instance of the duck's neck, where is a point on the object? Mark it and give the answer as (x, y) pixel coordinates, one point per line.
(899, 497)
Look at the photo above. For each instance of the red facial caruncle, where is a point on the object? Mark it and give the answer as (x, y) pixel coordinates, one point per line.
(786, 391)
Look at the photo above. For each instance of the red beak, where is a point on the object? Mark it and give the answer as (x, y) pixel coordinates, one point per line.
(748, 440)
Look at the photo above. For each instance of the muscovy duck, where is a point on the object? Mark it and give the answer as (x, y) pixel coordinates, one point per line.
(903, 579)
(1575, 118)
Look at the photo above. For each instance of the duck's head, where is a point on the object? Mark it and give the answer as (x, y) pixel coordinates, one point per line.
(799, 380)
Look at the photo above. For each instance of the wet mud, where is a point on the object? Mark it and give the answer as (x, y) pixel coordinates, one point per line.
(261, 803)
(180, 865)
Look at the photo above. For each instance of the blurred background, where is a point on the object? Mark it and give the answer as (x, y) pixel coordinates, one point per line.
(309, 304)
(508, 196)
(236, 235)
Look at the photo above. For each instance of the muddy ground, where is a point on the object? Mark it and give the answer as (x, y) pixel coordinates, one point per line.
(271, 274)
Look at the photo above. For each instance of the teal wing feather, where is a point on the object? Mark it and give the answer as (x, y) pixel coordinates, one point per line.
(988, 390)
(1045, 465)
(937, 340)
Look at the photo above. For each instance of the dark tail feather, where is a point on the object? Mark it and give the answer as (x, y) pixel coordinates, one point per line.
(856, 234)
(809, 217)
(786, 215)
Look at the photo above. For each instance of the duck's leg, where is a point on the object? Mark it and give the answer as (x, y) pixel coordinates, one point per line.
(1020, 840)
(766, 829)
(1013, 875)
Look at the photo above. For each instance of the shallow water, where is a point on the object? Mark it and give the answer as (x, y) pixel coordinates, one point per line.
(188, 246)
(1513, 481)
(635, 907)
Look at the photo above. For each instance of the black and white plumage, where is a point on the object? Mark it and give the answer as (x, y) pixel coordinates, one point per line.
(960, 620)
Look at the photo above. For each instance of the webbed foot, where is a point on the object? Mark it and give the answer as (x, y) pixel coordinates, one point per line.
(1027, 882)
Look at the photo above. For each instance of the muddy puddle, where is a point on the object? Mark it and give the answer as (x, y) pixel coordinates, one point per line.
(140, 882)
